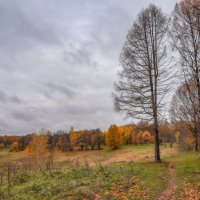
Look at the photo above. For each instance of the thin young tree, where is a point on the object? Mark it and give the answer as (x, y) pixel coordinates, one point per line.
(183, 108)
(144, 77)
(185, 34)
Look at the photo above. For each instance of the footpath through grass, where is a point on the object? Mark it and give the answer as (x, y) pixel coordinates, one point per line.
(187, 167)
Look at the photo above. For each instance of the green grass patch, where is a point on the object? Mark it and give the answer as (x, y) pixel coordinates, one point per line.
(115, 181)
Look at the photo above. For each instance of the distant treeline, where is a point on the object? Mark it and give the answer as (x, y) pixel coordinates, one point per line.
(136, 134)
(60, 140)
(94, 139)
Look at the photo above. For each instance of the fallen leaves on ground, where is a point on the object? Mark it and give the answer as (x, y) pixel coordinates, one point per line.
(128, 189)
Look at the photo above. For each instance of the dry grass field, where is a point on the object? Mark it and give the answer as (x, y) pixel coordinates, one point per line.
(103, 157)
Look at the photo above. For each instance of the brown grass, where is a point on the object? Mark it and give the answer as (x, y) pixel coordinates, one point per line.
(93, 158)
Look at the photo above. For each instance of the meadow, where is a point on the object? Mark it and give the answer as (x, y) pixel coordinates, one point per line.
(126, 173)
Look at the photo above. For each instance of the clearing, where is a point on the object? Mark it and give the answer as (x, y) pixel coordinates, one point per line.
(123, 174)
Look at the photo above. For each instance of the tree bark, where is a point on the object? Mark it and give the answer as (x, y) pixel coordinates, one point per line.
(196, 141)
(156, 141)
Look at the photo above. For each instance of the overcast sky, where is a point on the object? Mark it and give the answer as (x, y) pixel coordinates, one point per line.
(59, 60)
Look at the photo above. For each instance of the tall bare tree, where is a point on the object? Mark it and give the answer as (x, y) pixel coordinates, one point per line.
(183, 108)
(145, 74)
(185, 34)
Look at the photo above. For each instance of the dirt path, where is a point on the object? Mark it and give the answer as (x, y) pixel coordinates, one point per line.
(167, 194)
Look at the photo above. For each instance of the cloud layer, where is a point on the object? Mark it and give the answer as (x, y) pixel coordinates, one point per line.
(59, 60)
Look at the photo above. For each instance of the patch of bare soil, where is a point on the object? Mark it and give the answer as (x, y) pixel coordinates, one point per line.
(168, 193)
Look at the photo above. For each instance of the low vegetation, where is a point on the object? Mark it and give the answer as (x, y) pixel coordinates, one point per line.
(126, 173)
(107, 180)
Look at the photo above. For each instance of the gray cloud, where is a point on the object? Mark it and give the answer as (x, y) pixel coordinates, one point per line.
(23, 30)
(4, 98)
(69, 92)
(24, 116)
(78, 57)
(59, 59)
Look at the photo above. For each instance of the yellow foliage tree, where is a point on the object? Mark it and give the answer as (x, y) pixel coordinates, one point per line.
(126, 133)
(38, 151)
(15, 146)
(177, 135)
(140, 137)
(113, 137)
(74, 138)
(189, 140)
(2, 146)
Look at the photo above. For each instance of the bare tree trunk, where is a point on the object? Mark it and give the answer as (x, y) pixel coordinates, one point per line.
(156, 141)
(196, 140)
